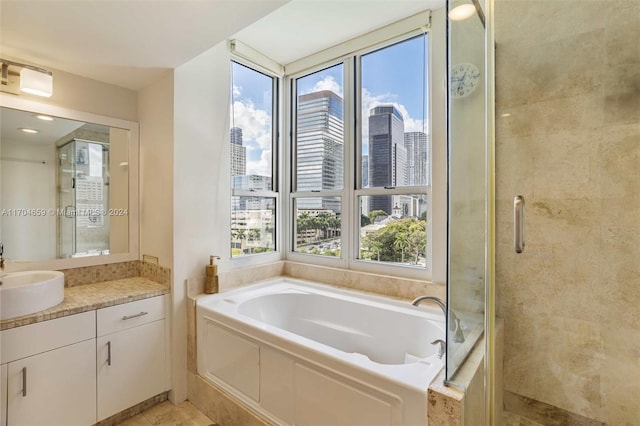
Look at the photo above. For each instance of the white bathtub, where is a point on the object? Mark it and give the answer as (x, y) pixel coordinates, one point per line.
(308, 354)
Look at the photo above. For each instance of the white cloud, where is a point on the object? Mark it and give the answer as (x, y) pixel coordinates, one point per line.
(255, 123)
(327, 83)
(262, 166)
(256, 127)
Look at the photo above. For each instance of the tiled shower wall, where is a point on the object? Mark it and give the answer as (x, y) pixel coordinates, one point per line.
(568, 139)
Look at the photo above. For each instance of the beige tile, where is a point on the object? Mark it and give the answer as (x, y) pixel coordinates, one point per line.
(622, 94)
(514, 160)
(621, 380)
(555, 115)
(183, 414)
(138, 420)
(567, 72)
(530, 22)
(571, 157)
(620, 161)
(217, 405)
(567, 359)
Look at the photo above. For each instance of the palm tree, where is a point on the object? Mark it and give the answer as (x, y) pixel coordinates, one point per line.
(377, 247)
(401, 243)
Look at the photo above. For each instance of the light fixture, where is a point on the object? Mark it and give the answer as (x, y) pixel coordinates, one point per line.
(33, 80)
(28, 130)
(462, 12)
(44, 117)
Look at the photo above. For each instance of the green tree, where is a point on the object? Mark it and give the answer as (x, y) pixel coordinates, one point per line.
(375, 213)
(401, 243)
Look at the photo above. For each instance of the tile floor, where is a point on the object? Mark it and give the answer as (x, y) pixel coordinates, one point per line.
(185, 414)
(168, 414)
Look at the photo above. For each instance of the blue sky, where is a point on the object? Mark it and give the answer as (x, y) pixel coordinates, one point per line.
(393, 75)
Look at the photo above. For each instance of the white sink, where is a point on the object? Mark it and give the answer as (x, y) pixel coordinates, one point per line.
(23, 293)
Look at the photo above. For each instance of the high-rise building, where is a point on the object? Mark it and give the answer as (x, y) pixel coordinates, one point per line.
(319, 147)
(365, 171)
(387, 155)
(417, 146)
(238, 153)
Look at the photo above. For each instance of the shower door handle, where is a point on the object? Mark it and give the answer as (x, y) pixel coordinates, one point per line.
(518, 223)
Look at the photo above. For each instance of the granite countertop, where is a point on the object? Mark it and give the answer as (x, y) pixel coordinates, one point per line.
(88, 297)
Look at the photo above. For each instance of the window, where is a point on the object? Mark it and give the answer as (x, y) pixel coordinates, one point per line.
(252, 141)
(319, 158)
(360, 150)
(393, 193)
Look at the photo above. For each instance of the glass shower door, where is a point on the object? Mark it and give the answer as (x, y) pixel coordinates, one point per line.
(468, 193)
(66, 200)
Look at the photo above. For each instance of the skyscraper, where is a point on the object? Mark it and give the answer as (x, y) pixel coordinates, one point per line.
(417, 146)
(387, 154)
(238, 153)
(319, 147)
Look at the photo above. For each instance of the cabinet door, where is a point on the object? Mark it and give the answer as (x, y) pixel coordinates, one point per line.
(131, 367)
(54, 388)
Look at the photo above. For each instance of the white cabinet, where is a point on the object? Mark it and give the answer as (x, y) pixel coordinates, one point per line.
(54, 388)
(131, 362)
(50, 372)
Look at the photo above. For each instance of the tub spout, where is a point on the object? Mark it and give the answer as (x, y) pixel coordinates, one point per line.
(454, 324)
(441, 347)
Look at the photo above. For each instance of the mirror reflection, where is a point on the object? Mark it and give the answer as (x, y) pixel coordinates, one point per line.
(64, 187)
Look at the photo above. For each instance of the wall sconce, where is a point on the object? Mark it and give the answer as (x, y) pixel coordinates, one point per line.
(33, 80)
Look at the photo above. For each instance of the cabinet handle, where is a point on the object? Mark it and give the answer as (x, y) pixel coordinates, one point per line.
(109, 353)
(127, 317)
(24, 381)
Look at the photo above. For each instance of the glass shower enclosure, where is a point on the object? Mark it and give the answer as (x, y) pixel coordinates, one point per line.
(83, 182)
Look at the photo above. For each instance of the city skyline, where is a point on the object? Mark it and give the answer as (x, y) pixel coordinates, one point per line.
(383, 82)
(397, 158)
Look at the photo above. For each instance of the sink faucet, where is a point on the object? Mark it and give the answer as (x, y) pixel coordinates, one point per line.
(454, 326)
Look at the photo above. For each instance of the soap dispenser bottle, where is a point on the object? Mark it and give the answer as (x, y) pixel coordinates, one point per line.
(211, 279)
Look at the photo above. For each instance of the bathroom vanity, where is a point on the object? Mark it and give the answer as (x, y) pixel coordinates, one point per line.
(98, 353)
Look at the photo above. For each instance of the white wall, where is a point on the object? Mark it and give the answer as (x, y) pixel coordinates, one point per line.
(87, 95)
(28, 184)
(156, 169)
(202, 204)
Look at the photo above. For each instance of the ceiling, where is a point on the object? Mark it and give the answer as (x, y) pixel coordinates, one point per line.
(130, 43)
(48, 131)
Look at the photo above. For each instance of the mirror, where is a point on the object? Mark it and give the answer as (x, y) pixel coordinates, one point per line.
(67, 186)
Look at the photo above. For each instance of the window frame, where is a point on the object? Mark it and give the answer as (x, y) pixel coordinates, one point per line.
(349, 54)
(277, 124)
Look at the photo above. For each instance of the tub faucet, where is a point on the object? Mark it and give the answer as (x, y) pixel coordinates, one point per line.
(454, 326)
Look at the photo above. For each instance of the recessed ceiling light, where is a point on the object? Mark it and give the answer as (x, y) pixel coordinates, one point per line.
(44, 117)
(506, 114)
(462, 12)
(28, 130)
